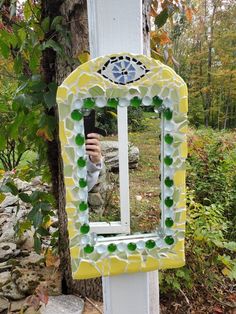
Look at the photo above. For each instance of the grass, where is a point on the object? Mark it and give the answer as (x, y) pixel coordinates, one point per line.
(144, 181)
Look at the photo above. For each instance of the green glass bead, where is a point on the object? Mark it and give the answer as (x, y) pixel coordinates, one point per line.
(84, 229)
(81, 162)
(168, 114)
(169, 139)
(79, 139)
(112, 102)
(82, 183)
(131, 246)
(89, 103)
(157, 101)
(169, 202)
(168, 160)
(136, 101)
(169, 182)
(169, 240)
(112, 247)
(150, 244)
(76, 115)
(83, 206)
(169, 222)
(88, 249)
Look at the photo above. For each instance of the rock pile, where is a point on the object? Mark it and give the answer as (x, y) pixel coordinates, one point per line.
(99, 196)
(21, 270)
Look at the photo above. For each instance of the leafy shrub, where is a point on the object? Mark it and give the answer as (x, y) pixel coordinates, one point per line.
(210, 232)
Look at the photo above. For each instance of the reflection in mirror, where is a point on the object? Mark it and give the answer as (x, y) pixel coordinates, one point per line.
(144, 170)
(104, 198)
(144, 182)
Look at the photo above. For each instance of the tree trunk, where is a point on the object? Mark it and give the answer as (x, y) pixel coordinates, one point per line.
(74, 13)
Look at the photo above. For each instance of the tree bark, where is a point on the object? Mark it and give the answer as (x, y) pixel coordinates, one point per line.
(74, 13)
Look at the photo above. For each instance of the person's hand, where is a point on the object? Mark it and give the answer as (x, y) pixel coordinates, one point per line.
(93, 148)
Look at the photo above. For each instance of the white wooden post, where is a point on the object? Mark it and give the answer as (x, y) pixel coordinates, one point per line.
(117, 26)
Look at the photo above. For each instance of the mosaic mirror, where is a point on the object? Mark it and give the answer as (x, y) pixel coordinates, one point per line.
(133, 218)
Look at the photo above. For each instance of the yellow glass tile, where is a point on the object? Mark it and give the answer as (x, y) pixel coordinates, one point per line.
(183, 92)
(179, 247)
(85, 79)
(70, 210)
(183, 150)
(151, 263)
(65, 158)
(181, 204)
(72, 232)
(73, 77)
(104, 266)
(62, 133)
(117, 266)
(61, 93)
(184, 129)
(86, 270)
(69, 196)
(182, 218)
(179, 178)
(74, 252)
(183, 106)
(134, 263)
(69, 182)
(167, 74)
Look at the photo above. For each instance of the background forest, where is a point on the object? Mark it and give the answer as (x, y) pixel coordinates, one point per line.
(198, 40)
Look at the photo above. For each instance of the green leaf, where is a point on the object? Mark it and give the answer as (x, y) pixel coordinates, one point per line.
(50, 99)
(33, 212)
(4, 49)
(3, 142)
(12, 187)
(56, 21)
(18, 64)
(37, 219)
(25, 197)
(27, 10)
(45, 24)
(161, 19)
(52, 44)
(37, 244)
(24, 100)
(22, 34)
(34, 62)
(24, 225)
(42, 231)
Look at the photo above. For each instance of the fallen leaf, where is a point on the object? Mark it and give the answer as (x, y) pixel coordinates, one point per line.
(189, 14)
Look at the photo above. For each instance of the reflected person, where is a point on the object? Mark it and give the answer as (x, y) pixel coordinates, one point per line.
(94, 159)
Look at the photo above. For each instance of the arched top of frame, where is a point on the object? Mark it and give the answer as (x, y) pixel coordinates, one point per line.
(125, 75)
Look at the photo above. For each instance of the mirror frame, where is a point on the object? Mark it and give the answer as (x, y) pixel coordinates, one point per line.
(150, 84)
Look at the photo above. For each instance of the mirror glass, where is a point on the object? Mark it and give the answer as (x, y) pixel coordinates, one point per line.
(144, 170)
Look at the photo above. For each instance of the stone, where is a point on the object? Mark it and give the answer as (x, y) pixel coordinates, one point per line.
(63, 304)
(16, 306)
(95, 199)
(4, 304)
(9, 200)
(4, 278)
(10, 290)
(110, 153)
(8, 250)
(36, 181)
(22, 185)
(33, 259)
